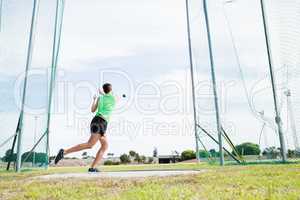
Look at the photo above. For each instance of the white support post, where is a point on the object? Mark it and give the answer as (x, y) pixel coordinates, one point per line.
(192, 79)
(214, 82)
(274, 87)
(28, 64)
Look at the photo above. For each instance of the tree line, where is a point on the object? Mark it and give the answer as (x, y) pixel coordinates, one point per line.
(36, 157)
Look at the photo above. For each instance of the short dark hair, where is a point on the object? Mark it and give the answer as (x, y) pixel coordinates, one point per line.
(107, 87)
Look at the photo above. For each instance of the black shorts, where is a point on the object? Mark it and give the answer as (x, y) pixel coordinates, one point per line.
(98, 125)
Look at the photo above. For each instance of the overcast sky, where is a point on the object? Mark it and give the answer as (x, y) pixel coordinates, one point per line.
(140, 46)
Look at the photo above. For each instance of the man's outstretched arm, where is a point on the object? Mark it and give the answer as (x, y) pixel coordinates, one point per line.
(95, 104)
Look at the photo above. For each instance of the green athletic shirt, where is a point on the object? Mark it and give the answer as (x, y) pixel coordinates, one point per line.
(106, 105)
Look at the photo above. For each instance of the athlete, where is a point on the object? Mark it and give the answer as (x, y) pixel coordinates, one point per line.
(103, 106)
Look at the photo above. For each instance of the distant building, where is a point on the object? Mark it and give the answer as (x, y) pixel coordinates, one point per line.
(166, 159)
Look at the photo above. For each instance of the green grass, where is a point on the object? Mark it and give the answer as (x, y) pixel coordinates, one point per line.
(253, 182)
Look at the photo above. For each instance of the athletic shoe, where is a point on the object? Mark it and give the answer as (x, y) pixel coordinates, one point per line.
(59, 156)
(94, 170)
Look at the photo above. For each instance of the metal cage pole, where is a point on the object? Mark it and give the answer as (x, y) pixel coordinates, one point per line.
(55, 53)
(273, 81)
(213, 76)
(28, 64)
(192, 77)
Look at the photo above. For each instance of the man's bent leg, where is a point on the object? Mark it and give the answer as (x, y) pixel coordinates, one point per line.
(88, 145)
(102, 150)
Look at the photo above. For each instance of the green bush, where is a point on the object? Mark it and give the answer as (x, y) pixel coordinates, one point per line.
(110, 162)
(125, 158)
(214, 153)
(8, 157)
(188, 155)
(132, 153)
(150, 160)
(271, 152)
(38, 157)
(143, 159)
(203, 154)
(248, 148)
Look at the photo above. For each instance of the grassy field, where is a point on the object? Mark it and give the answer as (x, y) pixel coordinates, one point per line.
(231, 182)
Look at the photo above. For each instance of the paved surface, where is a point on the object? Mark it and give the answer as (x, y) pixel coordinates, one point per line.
(128, 174)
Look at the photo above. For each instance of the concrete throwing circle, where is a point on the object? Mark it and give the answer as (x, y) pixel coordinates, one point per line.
(124, 174)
